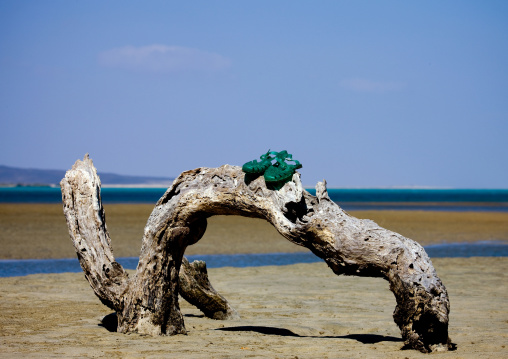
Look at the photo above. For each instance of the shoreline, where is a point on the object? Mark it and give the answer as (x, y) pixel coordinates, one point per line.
(24, 267)
(39, 231)
(303, 251)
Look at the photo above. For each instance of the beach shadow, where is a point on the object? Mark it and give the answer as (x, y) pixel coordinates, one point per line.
(362, 338)
(110, 322)
(194, 315)
(370, 338)
(262, 330)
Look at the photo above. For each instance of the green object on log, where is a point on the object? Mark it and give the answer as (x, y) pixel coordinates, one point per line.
(258, 168)
(281, 171)
(276, 174)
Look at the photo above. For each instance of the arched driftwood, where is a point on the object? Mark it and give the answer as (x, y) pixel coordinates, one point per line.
(147, 302)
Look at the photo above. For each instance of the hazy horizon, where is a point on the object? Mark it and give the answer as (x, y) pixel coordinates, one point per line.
(307, 186)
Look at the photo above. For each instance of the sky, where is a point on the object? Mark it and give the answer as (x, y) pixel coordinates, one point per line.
(362, 93)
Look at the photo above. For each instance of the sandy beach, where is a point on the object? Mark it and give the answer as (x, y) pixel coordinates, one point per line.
(296, 311)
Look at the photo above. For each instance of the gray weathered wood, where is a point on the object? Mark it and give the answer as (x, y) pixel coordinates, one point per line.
(196, 288)
(148, 301)
(87, 227)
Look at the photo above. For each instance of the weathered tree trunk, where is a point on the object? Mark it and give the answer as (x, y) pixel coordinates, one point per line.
(87, 227)
(148, 302)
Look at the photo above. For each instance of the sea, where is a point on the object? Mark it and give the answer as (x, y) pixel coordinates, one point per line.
(495, 200)
(348, 198)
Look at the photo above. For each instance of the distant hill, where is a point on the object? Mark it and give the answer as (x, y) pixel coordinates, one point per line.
(38, 177)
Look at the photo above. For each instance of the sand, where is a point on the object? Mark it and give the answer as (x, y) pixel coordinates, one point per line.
(40, 231)
(297, 311)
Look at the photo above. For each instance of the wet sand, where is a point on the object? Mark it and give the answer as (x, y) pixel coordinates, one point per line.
(297, 311)
(40, 231)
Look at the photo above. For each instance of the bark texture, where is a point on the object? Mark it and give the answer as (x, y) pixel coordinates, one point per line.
(148, 302)
(146, 306)
(196, 288)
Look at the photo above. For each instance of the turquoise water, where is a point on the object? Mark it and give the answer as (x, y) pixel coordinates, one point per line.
(13, 268)
(54, 195)
(349, 199)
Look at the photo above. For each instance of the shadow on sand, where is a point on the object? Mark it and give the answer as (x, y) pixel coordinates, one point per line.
(362, 338)
(110, 322)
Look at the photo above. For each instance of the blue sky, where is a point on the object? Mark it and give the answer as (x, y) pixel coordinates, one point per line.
(363, 93)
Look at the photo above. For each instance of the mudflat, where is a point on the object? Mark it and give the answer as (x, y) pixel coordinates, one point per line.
(40, 231)
(296, 311)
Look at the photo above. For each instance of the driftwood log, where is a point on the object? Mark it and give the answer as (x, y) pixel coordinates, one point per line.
(147, 302)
